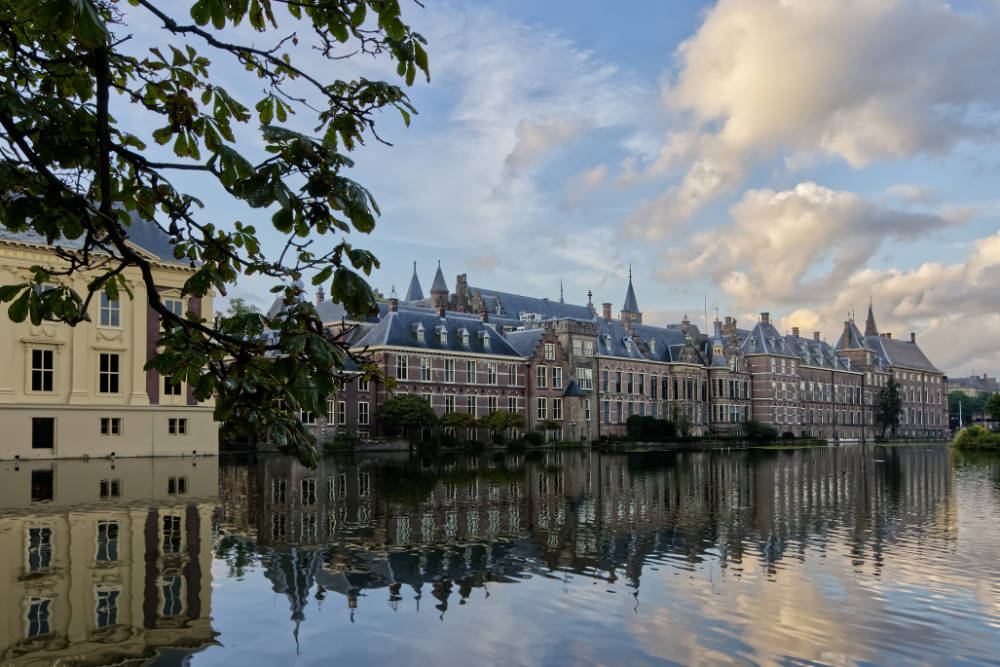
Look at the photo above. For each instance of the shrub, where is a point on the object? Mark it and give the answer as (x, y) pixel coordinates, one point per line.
(640, 427)
(762, 432)
(534, 438)
(343, 442)
(787, 435)
(976, 437)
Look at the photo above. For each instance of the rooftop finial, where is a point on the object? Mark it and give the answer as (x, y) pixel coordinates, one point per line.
(561, 300)
(630, 271)
(392, 292)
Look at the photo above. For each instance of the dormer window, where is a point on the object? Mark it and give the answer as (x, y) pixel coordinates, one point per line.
(443, 335)
(486, 341)
(465, 337)
(652, 347)
(607, 340)
(628, 344)
(419, 331)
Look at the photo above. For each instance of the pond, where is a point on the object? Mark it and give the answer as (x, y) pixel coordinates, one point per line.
(834, 555)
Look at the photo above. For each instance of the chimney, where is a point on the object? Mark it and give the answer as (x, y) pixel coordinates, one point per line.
(484, 315)
(441, 311)
(888, 335)
(765, 318)
(393, 304)
(685, 324)
(607, 311)
(816, 336)
(913, 337)
(795, 331)
(718, 328)
(320, 296)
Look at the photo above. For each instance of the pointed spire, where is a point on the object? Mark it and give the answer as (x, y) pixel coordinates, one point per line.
(561, 299)
(414, 293)
(439, 285)
(631, 306)
(870, 328)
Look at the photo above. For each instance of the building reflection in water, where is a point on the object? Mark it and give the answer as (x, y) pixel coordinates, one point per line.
(445, 527)
(105, 561)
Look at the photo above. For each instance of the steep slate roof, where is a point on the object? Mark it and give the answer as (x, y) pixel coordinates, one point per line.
(816, 353)
(977, 383)
(851, 338)
(398, 329)
(524, 342)
(666, 342)
(512, 305)
(413, 292)
(141, 233)
(870, 328)
(765, 339)
(573, 389)
(631, 305)
(899, 353)
(611, 337)
(439, 284)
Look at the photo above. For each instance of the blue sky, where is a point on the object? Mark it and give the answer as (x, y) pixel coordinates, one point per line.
(792, 157)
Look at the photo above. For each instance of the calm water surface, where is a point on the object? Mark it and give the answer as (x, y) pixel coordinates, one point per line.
(850, 555)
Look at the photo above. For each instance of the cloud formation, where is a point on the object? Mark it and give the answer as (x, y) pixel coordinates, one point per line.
(856, 80)
(784, 247)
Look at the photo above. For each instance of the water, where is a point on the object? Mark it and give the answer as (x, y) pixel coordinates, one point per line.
(850, 555)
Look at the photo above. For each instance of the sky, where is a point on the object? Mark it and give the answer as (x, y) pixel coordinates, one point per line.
(797, 157)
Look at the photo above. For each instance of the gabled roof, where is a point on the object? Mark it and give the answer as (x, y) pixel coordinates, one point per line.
(413, 292)
(573, 389)
(899, 353)
(662, 343)
(613, 340)
(851, 338)
(398, 329)
(141, 233)
(439, 284)
(513, 305)
(816, 353)
(525, 341)
(763, 338)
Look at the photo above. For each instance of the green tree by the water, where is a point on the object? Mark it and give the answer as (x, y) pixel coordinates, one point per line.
(98, 122)
(406, 411)
(888, 407)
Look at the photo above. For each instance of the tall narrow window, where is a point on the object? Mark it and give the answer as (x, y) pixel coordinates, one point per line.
(542, 377)
(38, 616)
(550, 351)
(108, 373)
(111, 315)
(542, 405)
(42, 370)
(176, 307)
(470, 372)
(401, 371)
(39, 549)
(557, 377)
(425, 369)
(491, 372)
(107, 607)
(449, 403)
(449, 370)
(511, 375)
(492, 404)
(107, 541)
(362, 385)
(171, 589)
(171, 534)
(363, 413)
(557, 412)
(512, 404)
(470, 405)
(341, 412)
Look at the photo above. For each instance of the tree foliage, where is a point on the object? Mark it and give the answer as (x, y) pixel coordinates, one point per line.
(993, 407)
(888, 407)
(969, 404)
(501, 422)
(406, 411)
(458, 420)
(99, 125)
(641, 427)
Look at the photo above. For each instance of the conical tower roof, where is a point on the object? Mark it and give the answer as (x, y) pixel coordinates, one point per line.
(439, 285)
(631, 306)
(870, 328)
(414, 292)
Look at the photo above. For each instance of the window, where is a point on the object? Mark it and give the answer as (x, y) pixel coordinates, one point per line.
(110, 311)
(177, 485)
(363, 413)
(470, 405)
(586, 409)
(341, 412)
(171, 388)
(171, 590)
(278, 525)
(171, 534)
(278, 492)
(618, 382)
(108, 366)
(111, 425)
(492, 404)
(629, 383)
(43, 432)
(177, 426)
(42, 487)
(107, 541)
(550, 351)
(491, 373)
(308, 487)
(486, 341)
(362, 385)
(511, 375)
(174, 306)
(512, 404)
(557, 408)
(585, 377)
(420, 333)
(443, 336)
(401, 367)
(607, 412)
(39, 549)
(449, 403)
(618, 412)
(308, 417)
(542, 377)
(331, 411)
(42, 370)
(653, 383)
(557, 377)
(38, 616)
(642, 383)
(542, 404)
(449, 370)
(110, 488)
(425, 369)
(107, 607)
(470, 372)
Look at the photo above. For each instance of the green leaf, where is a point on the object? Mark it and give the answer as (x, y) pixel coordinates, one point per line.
(19, 309)
(8, 292)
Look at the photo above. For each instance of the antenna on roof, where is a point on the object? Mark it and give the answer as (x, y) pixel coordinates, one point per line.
(630, 271)
(561, 291)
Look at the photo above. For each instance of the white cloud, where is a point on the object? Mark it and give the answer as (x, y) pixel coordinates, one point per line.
(783, 246)
(537, 138)
(857, 80)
